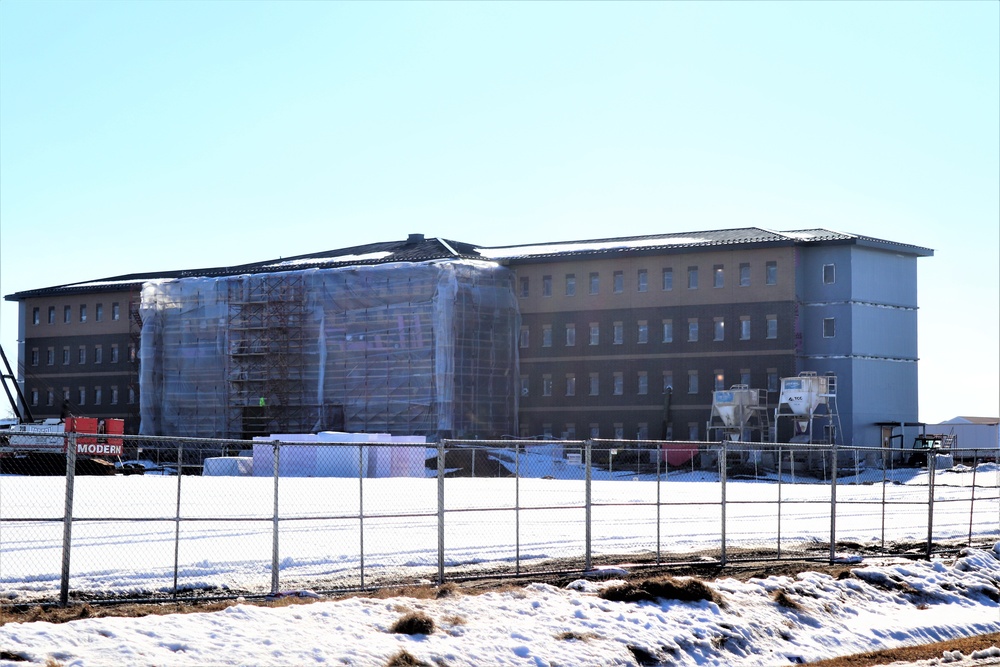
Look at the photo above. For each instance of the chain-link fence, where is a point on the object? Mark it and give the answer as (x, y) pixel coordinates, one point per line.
(194, 518)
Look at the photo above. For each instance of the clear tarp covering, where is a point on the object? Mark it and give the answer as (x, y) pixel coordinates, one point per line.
(404, 348)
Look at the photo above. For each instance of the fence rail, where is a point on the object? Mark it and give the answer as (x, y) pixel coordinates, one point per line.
(348, 516)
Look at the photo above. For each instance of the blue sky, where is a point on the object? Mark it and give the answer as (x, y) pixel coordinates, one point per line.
(161, 135)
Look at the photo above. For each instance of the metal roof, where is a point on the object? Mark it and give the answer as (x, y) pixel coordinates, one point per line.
(417, 248)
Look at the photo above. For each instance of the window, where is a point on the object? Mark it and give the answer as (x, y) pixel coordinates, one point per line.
(67, 314)
(570, 284)
(34, 395)
(642, 280)
(719, 328)
(131, 395)
(97, 395)
(34, 356)
(65, 356)
(570, 384)
(745, 376)
(772, 379)
(692, 430)
(595, 333)
(570, 431)
(132, 353)
(81, 395)
(524, 385)
(547, 385)
(692, 382)
(619, 432)
(618, 386)
(114, 394)
(523, 284)
(65, 394)
(98, 354)
(595, 431)
(546, 335)
(668, 331)
(570, 335)
(595, 283)
(547, 430)
(546, 285)
(595, 385)
(718, 276)
(50, 356)
(618, 333)
(619, 282)
(36, 317)
(50, 398)
(772, 326)
(642, 431)
(83, 312)
(771, 273)
(668, 279)
(114, 353)
(81, 355)
(52, 314)
(744, 274)
(692, 330)
(744, 327)
(720, 380)
(829, 327)
(99, 312)
(643, 333)
(829, 274)
(668, 381)
(523, 338)
(115, 311)
(643, 384)
(692, 277)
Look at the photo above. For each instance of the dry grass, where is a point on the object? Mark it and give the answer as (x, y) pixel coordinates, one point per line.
(406, 659)
(414, 623)
(665, 588)
(912, 653)
(784, 600)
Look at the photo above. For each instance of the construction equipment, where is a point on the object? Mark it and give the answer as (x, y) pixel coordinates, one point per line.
(29, 447)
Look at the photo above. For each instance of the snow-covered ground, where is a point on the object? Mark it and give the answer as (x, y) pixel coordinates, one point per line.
(124, 542)
(880, 606)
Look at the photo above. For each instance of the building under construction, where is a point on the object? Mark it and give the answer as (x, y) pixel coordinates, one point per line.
(418, 348)
(624, 338)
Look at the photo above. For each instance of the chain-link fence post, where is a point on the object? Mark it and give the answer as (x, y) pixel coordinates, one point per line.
(931, 466)
(833, 501)
(440, 494)
(70, 444)
(177, 516)
(780, 490)
(723, 460)
(517, 507)
(361, 511)
(886, 462)
(274, 529)
(972, 498)
(588, 452)
(659, 455)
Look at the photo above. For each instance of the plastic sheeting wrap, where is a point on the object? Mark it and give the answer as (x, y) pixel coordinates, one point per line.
(404, 348)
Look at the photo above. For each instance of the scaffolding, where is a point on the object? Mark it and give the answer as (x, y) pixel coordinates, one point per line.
(269, 355)
(422, 348)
